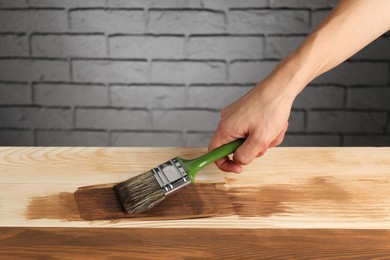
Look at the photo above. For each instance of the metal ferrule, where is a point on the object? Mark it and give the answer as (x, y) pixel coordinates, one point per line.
(171, 176)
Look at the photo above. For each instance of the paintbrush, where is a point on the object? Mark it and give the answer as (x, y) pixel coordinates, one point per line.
(146, 190)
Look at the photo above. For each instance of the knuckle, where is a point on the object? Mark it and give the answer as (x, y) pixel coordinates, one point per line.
(259, 143)
(242, 159)
(280, 141)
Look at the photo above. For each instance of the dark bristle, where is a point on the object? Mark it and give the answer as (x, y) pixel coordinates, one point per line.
(139, 193)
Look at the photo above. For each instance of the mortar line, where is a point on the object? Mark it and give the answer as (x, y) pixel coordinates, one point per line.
(34, 133)
(227, 71)
(70, 64)
(151, 118)
(32, 92)
(306, 118)
(108, 86)
(109, 135)
(29, 42)
(146, 20)
(107, 40)
(74, 117)
(186, 47)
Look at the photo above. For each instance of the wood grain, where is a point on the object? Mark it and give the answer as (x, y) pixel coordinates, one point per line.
(90, 243)
(330, 203)
(287, 188)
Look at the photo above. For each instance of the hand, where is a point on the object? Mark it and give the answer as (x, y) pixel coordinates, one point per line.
(260, 116)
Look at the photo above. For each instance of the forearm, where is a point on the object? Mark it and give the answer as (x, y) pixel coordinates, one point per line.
(352, 25)
(262, 114)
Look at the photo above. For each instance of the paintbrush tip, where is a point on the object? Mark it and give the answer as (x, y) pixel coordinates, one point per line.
(139, 193)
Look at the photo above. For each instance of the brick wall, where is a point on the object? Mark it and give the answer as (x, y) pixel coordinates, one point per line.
(157, 72)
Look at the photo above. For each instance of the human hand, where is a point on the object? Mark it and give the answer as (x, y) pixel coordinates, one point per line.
(260, 116)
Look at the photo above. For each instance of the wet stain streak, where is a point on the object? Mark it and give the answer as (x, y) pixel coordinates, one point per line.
(57, 206)
(202, 200)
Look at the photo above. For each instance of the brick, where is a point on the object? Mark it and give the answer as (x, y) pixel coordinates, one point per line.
(188, 72)
(268, 21)
(311, 140)
(151, 47)
(16, 138)
(70, 95)
(108, 21)
(13, 3)
(366, 140)
(369, 98)
(192, 120)
(148, 96)
(226, 4)
(148, 3)
(146, 139)
(118, 71)
(250, 72)
(296, 122)
(278, 47)
(13, 45)
(209, 4)
(215, 97)
(35, 117)
(33, 69)
(68, 45)
(357, 73)
(377, 50)
(198, 139)
(303, 4)
(225, 47)
(71, 138)
(112, 119)
(33, 20)
(318, 17)
(186, 22)
(15, 94)
(67, 3)
(346, 122)
(320, 97)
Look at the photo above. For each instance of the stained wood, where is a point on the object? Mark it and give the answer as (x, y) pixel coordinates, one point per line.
(90, 243)
(330, 203)
(287, 188)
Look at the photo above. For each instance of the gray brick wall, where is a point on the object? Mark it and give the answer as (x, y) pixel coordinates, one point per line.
(157, 72)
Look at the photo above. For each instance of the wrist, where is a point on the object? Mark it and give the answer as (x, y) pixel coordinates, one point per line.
(284, 81)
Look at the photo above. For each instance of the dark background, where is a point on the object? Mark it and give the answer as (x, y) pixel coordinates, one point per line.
(157, 72)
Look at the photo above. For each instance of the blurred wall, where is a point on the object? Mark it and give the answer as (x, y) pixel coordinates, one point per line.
(157, 72)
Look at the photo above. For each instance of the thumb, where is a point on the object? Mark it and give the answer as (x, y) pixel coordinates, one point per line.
(248, 150)
(219, 138)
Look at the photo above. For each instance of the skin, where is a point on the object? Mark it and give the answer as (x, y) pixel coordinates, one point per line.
(261, 115)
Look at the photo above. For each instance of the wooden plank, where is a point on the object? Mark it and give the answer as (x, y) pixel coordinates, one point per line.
(89, 243)
(287, 188)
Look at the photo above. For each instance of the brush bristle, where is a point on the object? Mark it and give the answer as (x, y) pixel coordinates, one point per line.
(139, 193)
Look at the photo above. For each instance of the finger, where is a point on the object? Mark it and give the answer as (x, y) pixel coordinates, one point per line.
(219, 138)
(227, 165)
(230, 166)
(219, 162)
(261, 153)
(248, 150)
(224, 164)
(279, 139)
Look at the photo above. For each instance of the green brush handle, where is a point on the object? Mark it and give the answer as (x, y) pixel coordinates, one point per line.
(193, 166)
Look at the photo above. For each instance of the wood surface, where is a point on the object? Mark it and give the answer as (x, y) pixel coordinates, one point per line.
(325, 202)
(157, 243)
